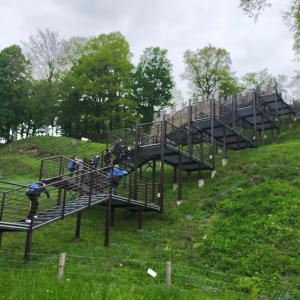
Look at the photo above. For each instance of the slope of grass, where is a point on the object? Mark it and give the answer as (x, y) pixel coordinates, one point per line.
(21, 160)
(239, 232)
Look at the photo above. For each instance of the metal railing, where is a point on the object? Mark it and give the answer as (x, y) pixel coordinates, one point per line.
(85, 188)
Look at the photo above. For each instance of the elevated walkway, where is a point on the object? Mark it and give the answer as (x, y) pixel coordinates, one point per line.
(71, 194)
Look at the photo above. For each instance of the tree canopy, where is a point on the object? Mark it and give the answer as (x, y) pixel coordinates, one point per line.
(153, 82)
(291, 17)
(207, 68)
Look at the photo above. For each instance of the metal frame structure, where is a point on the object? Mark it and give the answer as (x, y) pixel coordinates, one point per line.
(187, 140)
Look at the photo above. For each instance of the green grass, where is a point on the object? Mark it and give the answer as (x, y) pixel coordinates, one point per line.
(239, 233)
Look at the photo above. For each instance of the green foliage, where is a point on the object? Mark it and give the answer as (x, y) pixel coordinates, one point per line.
(206, 69)
(291, 17)
(96, 91)
(14, 90)
(238, 233)
(152, 82)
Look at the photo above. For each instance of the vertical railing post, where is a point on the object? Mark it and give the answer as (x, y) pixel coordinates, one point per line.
(2, 206)
(146, 192)
(282, 113)
(136, 162)
(254, 116)
(41, 170)
(28, 243)
(179, 177)
(64, 201)
(263, 129)
(162, 160)
(108, 213)
(78, 224)
(129, 191)
(102, 158)
(276, 103)
(212, 119)
(224, 142)
(189, 129)
(153, 180)
(201, 147)
(1, 215)
(91, 188)
(60, 167)
(233, 110)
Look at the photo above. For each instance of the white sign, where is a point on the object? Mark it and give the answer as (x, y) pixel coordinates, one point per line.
(151, 272)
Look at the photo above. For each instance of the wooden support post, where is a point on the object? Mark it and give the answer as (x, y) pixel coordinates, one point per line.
(61, 266)
(28, 245)
(200, 171)
(107, 225)
(272, 133)
(190, 146)
(175, 175)
(78, 223)
(136, 162)
(233, 110)
(41, 170)
(276, 103)
(140, 228)
(153, 180)
(162, 159)
(64, 202)
(179, 177)
(91, 189)
(59, 193)
(141, 172)
(263, 129)
(112, 217)
(212, 119)
(282, 113)
(168, 276)
(224, 142)
(259, 133)
(1, 234)
(254, 115)
(60, 166)
(201, 147)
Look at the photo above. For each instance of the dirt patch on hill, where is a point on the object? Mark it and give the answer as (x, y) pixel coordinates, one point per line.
(34, 151)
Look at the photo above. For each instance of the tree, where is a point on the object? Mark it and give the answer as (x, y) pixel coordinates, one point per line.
(291, 17)
(153, 82)
(102, 83)
(177, 97)
(230, 85)
(206, 69)
(47, 54)
(14, 89)
(262, 78)
(294, 85)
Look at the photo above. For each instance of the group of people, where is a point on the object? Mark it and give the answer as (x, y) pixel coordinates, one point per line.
(119, 151)
(76, 166)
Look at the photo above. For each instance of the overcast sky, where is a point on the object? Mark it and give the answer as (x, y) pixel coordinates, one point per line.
(173, 25)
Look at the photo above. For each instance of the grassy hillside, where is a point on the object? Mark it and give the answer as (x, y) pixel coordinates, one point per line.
(237, 235)
(21, 160)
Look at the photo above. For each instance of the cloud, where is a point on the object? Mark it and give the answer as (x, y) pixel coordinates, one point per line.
(172, 25)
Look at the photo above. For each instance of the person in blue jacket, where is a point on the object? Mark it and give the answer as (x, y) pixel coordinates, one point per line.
(33, 193)
(117, 174)
(95, 162)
